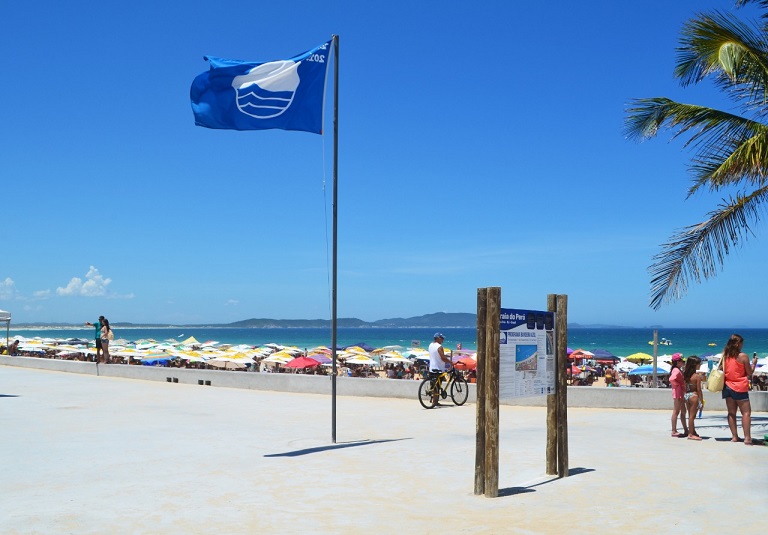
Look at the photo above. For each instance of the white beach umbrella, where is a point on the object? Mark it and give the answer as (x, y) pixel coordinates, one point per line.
(626, 366)
(361, 359)
(280, 358)
(762, 366)
(395, 360)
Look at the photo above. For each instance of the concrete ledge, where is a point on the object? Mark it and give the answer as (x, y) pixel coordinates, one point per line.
(578, 396)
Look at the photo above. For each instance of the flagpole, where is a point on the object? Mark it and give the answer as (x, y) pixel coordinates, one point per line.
(335, 45)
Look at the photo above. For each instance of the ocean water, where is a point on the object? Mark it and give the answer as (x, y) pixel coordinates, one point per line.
(620, 342)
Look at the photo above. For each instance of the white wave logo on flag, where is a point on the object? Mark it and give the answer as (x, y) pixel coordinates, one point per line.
(267, 90)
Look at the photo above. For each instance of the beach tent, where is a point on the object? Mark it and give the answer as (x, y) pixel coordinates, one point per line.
(6, 317)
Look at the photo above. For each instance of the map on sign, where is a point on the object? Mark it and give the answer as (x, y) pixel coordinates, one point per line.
(526, 353)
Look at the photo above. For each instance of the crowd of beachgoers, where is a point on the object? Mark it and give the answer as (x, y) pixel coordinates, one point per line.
(360, 360)
(638, 369)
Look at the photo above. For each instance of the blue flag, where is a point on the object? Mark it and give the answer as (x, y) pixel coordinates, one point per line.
(284, 94)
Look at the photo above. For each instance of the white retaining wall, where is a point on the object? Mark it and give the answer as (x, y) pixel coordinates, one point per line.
(578, 396)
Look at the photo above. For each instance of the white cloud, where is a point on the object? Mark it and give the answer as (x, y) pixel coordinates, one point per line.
(7, 289)
(95, 285)
(232, 302)
(41, 294)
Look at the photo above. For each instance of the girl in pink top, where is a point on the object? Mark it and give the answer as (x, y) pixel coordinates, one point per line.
(738, 371)
(678, 392)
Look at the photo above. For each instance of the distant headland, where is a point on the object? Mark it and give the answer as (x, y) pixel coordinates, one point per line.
(441, 320)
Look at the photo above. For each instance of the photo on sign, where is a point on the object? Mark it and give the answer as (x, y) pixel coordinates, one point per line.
(526, 357)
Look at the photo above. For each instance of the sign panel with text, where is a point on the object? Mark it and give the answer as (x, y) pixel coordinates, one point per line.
(527, 353)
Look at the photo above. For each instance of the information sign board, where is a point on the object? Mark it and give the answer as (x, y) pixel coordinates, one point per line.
(527, 353)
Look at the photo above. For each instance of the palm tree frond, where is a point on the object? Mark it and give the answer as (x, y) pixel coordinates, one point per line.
(725, 162)
(698, 251)
(722, 43)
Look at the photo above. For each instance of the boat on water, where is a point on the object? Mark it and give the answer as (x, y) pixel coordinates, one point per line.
(711, 344)
(662, 342)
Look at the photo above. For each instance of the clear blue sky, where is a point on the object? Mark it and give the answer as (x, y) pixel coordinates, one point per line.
(480, 145)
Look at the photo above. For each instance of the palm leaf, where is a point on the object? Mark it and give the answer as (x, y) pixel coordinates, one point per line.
(729, 148)
(698, 251)
(722, 44)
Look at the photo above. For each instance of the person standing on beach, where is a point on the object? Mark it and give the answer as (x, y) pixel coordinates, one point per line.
(738, 371)
(693, 393)
(106, 337)
(437, 360)
(97, 335)
(677, 382)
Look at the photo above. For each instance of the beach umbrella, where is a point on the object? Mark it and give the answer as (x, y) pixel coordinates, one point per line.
(647, 369)
(626, 366)
(362, 346)
(605, 355)
(581, 354)
(226, 363)
(301, 363)
(279, 357)
(361, 359)
(465, 363)
(762, 366)
(640, 358)
(395, 359)
(322, 358)
(386, 349)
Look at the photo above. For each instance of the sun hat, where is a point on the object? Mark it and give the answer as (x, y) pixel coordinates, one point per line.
(676, 357)
(439, 335)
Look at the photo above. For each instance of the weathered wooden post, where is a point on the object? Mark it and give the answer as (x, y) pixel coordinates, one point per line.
(561, 358)
(551, 461)
(482, 307)
(491, 371)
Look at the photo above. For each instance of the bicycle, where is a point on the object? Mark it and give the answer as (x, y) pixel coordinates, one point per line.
(432, 389)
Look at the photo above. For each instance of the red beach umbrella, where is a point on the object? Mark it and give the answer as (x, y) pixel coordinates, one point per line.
(302, 362)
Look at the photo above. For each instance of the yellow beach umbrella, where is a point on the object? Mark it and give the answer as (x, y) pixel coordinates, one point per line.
(639, 358)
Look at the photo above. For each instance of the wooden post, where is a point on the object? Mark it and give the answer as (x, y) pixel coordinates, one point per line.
(551, 462)
(482, 307)
(561, 331)
(492, 326)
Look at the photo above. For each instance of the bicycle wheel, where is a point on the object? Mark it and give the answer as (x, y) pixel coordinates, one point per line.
(459, 390)
(425, 394)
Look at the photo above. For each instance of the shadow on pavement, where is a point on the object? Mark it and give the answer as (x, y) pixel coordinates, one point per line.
(337, 446)
(512, 491)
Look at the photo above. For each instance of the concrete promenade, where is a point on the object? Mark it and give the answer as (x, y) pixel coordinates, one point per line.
(87, 454)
